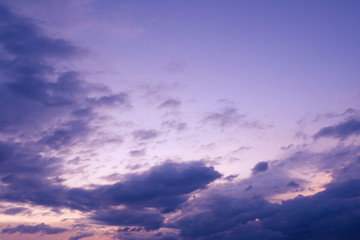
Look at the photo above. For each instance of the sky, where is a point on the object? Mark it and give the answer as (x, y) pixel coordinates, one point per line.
(179, 120)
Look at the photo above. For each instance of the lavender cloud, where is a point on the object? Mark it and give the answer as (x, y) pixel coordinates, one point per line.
(229, 117)
(80, 236)
(144, 135)
(342, 130)
(223, 213)
(33, 229)
(170, 103)
(260, 167)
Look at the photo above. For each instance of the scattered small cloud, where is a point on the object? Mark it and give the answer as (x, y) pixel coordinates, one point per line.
(176, 66)
(170, 103)
(144, 135)
(138, 153)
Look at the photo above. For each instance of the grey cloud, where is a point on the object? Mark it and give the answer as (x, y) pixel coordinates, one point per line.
(164, 187)
(260, 167)
(342, 130)
(37, 94)
(149, 219)
(32, 229)
(66, 134)
(80, 236)
(292, 184)
(222, 213)
(15, 210)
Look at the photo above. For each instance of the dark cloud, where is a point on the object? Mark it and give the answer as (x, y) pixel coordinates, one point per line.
(66, 134)
(15, 210)
(164, 187)
(260, 167)
(23, 159)
(231, 177)
(342, 130)
(149, 219)
(20, 36)
(292, 184)
(347, 113)
(145, 134)
(223, 213)
(32, 229)
(36, 92)
(80, 236)
(170, 103)
(219, 214)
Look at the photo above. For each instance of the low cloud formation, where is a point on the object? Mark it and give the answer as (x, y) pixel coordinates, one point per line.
(147, 218)
(30, 229)
(222, 213)
(163, 188)
(342, 130)
(81, 236)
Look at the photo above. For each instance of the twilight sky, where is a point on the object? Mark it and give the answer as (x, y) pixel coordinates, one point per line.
(179, 120)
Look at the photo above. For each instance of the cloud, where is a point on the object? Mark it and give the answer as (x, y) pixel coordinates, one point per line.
(21, 37)
(170, 103)
(179, 126)
(39, 94)
(32, 229)
(221, 212)
(148, 218)
(144, 135)
(342, 130)
(66, 134)
(14, 211)
(164, 187)
(80, 236)
(260, 167)
(176, 66)
(138, 153)
(292, 184)
(226, 117)
(229, 117)
(111, 100)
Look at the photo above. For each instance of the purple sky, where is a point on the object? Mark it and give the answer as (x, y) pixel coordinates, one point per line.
(186, 120)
